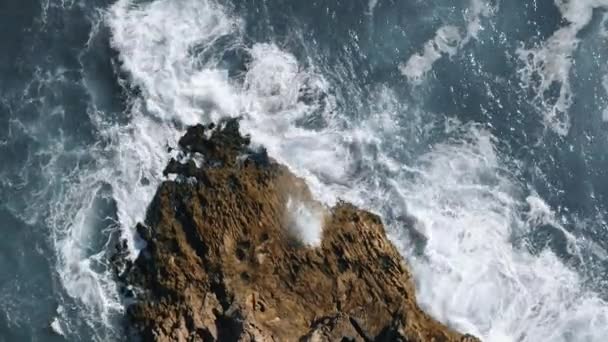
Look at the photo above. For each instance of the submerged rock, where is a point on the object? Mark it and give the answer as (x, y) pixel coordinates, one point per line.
(227, 258)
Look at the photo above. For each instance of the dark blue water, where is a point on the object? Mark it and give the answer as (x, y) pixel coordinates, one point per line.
(46, 140)
(484, 120)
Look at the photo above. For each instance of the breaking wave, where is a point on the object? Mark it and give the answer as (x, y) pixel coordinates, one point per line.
(193, 62)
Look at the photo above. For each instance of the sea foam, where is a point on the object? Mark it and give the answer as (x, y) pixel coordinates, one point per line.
(461, 192)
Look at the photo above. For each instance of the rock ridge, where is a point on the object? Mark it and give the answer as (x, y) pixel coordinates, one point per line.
(223, 261)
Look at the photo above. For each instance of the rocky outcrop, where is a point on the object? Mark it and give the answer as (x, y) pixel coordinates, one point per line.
(224, 262)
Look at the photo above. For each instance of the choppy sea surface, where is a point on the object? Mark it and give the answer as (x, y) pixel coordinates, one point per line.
(485, 120)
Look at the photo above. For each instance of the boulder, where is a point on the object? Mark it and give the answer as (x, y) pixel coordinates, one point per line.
(226, 259)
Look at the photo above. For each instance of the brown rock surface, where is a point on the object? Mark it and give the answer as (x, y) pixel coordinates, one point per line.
(223, 263)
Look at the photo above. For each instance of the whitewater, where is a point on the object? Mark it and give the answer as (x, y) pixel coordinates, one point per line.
(482, 122)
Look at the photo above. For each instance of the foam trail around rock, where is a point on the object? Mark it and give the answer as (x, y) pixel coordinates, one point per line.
(132, 154)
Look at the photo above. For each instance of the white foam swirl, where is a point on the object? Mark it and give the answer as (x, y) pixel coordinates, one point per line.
(448, 40)
(547, 67)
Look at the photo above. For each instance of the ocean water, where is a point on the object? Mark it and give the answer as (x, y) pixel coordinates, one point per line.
(484, 121)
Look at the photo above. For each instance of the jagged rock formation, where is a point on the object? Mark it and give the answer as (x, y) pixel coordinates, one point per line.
(223, 262)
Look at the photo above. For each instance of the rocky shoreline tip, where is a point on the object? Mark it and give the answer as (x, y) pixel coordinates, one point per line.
(230, 257)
